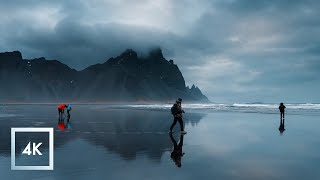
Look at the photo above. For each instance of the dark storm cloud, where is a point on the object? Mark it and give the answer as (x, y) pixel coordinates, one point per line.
(230, 48)
(81, 45)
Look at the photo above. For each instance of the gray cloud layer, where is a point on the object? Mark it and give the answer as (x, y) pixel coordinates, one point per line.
(235, 50)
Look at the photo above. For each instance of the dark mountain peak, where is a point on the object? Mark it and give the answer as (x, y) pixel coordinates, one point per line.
(129, 54)
(38, 59)
(14, 56)
(123, 78)
(195, 91)
(195, 88)
(156, 54)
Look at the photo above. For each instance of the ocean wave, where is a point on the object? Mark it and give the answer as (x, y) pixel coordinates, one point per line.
(7, 115)
(275, 106)
(307, 106)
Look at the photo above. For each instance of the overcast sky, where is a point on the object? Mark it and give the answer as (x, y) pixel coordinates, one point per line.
(234, 50)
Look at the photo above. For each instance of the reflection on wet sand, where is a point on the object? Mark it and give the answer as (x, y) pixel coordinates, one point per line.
(281, 126)
(62, 125)
(125, 132)
(132, 131)
(177, 153)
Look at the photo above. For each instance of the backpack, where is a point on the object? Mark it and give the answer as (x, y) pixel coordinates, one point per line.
(174, 109)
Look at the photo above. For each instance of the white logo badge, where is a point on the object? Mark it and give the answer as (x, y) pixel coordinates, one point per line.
(31, 148)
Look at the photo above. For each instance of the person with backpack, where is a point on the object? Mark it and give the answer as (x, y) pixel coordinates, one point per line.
(282, 108)
(177, 111)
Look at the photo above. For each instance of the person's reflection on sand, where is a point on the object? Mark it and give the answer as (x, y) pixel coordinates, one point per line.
(281, 127)
(177, 153)
(68, 125)
(61, 124)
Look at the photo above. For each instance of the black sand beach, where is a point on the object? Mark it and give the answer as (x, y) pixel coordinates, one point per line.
(125, 143)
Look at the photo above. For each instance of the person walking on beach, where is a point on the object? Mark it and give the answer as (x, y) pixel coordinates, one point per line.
(281, 108)
(61, 108)
(177, 111)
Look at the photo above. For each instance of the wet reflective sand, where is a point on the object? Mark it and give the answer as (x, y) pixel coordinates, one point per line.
(102, 143)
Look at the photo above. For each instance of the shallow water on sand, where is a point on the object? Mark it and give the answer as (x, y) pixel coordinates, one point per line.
(104, 143)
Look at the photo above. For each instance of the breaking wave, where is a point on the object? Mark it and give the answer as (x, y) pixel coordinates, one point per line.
(229, 106)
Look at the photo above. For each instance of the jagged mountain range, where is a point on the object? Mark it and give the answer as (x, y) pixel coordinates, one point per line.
(125, 78)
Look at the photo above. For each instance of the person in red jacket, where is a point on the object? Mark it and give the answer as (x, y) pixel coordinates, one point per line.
(61, 108)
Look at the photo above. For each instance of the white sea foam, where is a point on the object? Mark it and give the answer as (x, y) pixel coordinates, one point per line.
(3, 115)
(307, 106)
(275, 106)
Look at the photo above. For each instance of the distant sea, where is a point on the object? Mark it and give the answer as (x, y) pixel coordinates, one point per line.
(268, 108)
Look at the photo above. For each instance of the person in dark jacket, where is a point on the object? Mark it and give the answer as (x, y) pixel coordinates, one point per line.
(282, 108)
(177, 111)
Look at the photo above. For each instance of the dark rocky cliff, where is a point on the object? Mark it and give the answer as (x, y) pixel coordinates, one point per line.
(126, 78)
